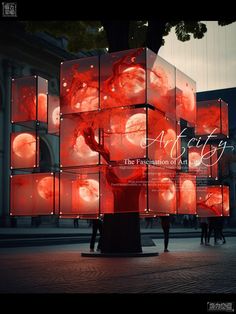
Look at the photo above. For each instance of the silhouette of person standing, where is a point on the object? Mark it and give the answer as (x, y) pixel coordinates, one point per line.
(220, 226)
(165, 223)
(212, 222)
(97, 226)
(76, 222)
(204, 229)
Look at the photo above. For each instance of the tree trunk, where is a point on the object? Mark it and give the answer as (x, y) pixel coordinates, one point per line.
(121, 231)
(117, 34)
(156, 29)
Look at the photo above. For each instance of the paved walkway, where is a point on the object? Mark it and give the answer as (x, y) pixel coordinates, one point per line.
(187, 268)
(87, 230)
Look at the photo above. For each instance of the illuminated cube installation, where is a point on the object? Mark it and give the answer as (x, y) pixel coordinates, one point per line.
(212, 118)
(120, 112)
(81, 192)
(213, 201)
(31, 193)
(29, 99)
(34, 194)
(119, 119)
(137, 76)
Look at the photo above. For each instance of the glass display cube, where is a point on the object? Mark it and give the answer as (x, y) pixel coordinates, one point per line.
(34, 194)
(160, 84)
(123, 78)
(185, 98)
(74, 150)
(29, 99)
(213, 201)
(80, 192)
(24, 150)
(79, 85)
(203, 161)
(212, 118)
(137, 76)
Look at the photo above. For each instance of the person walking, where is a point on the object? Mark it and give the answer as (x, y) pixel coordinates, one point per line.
(220, 226)
(165, 223)
(204, 229)
(96, 226)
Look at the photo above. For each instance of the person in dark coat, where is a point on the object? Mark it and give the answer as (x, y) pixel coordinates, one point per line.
(212, 223)
(204, 230)
(220, 226)
(97, 226)
(165, 223)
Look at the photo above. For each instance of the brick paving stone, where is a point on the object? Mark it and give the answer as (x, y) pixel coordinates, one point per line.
(187, 268)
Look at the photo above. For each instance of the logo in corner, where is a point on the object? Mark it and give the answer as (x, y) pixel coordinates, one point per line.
(220, 307)
(9, 9)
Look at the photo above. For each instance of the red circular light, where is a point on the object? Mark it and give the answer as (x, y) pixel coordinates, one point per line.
(24, 145)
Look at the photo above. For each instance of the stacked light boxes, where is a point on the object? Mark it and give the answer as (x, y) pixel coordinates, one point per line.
(121, 115)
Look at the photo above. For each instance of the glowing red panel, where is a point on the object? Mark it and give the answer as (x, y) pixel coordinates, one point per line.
(160, 84)
(123, 78)
(42, 103)
(124, 133)
(125, 136)
(80, 192)
(224, 118)
(212, 118)
(123, 189)
(163, 146)
(53, 114)
(212, 201)
(185, 98)
(24, 150)
(29, 99)
(226, 201)
(33, 194)
(85, 194)
(203, 161)
(79, 85)
(73, 148)
(186, 185)
(161, 191)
